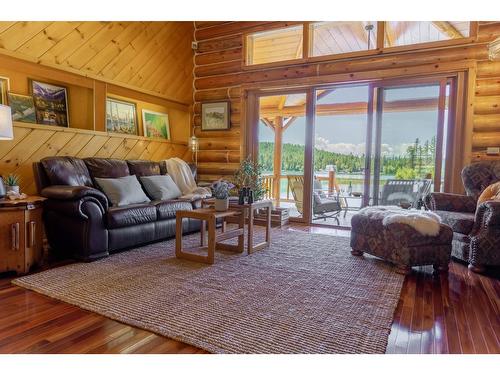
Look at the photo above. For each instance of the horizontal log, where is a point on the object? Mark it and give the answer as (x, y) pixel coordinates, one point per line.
(212, 177)
(239, 27)
(487, 122)
(233, 131)
(489, 31)
(487, 105)
(212, 45)
(488, 87)
(480, 155)
(217, 69)
(220, 168)
(220, 144)
(204, 24)
(235, 119)
(488, 69)
(490, 139)
(219, 56)
(219, 156)
(400, 60)
(218, 94)
(234, 107)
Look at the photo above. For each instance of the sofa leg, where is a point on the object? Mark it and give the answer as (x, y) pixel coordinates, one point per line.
(357, 253)
(402, 269)
(441, 268)
(476, 268)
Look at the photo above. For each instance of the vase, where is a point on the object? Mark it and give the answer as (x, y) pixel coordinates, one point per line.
(221, 204)
(15, 189)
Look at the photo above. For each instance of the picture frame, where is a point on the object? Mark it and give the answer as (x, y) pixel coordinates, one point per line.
(155, 124)
(4, 89)
(215, 116)
(22, 107)
(51, 103)
(121, 116)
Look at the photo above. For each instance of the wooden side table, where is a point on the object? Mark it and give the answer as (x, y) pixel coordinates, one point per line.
(209, 216)
(21, 234)
(248, 210)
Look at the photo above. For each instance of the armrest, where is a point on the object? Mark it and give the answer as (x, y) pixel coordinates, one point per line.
(450, 202)
(487, 216)
(65, 192)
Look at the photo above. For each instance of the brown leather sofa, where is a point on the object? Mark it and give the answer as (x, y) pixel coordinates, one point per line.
(81, 223)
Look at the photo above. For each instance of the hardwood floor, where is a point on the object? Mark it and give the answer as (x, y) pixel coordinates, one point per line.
(453, 313)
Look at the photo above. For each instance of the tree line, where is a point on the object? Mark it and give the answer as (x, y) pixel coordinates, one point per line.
(417, 162)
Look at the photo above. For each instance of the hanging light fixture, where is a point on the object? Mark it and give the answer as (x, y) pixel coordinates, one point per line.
(369, 28)
(494, 50)
(194, 144)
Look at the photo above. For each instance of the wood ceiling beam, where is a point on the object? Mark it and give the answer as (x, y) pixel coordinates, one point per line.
(350, 108)
(448, 29)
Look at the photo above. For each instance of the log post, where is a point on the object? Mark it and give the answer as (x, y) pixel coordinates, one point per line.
(278, 140)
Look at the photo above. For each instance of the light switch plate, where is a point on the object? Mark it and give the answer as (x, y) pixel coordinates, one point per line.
(493, 151)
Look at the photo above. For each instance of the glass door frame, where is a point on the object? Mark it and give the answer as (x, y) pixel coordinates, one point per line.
(457, 94)
(253, 148)
(375, 113)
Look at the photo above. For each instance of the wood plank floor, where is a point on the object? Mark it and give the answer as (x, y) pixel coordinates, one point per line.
(453, 313)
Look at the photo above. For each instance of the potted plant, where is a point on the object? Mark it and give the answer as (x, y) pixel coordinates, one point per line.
(12, 183)
(249, 175)
(221, 194)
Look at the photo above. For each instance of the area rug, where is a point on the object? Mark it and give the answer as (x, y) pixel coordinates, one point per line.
(304, 294)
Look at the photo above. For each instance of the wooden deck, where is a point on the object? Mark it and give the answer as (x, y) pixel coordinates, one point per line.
(454, 313)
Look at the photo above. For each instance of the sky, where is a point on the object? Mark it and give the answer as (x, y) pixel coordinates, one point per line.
(347, 133)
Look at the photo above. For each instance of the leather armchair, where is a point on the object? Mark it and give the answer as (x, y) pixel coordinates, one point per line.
(476, 230)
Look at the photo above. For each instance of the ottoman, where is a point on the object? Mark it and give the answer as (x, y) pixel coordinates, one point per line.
(400, 243)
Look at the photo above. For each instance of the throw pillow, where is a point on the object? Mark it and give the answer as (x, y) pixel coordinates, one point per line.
(492, 192)
(161, 187)
(123, 190)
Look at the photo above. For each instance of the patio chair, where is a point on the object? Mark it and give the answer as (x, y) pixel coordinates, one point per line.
(395, 192)
(324, 206)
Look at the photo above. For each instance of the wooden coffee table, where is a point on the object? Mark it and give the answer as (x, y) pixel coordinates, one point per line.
(248, 210)
(209, 216)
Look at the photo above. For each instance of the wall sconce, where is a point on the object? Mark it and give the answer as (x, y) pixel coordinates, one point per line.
(494, 50)
(6, 130)
(194, 144)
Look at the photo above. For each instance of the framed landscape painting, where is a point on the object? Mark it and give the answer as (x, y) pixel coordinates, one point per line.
(121, 117)
(4, 89)
(215, 116)
(23, 108)
(51, 103)
(155, 124)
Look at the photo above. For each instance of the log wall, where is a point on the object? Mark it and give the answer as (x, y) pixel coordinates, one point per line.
(220, 75)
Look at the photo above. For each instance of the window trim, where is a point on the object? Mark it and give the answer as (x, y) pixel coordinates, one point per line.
(380, 50)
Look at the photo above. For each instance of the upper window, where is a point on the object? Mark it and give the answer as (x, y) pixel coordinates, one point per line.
(331, 38)
(403, 33)
(275, 45)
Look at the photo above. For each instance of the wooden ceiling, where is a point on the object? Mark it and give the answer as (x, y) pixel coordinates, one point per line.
(155, 57)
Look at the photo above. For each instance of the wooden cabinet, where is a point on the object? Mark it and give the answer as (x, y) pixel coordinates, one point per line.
(21, 234)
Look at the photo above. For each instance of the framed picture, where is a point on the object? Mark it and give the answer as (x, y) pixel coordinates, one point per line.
(215, 116)
(23, 108)
(121, 117)
(4, 89)
(155, 124)
(51, 103)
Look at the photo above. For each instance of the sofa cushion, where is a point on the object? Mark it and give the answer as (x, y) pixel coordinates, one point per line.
(143, 167)
(167, 209)
(460, 222)
(122, 191)
(107, 168)
(134, 214)
(66, 170)
(160, 187)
